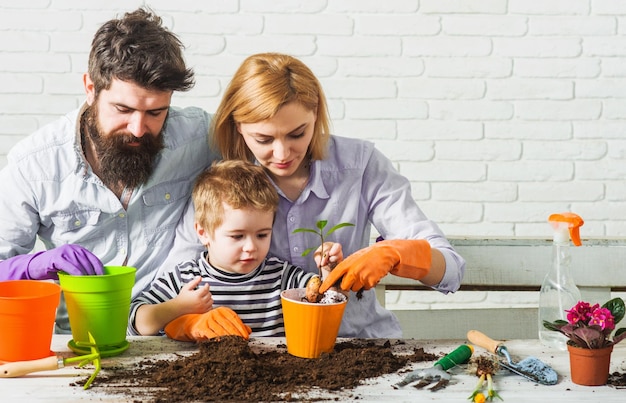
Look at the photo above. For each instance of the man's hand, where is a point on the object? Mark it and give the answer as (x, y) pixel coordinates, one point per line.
(72, 259)
(410, 258)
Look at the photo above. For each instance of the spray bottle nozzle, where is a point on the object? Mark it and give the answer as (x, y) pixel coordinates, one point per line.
(573, 223)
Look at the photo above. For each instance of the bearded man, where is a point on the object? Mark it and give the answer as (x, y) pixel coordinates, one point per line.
(107, 183)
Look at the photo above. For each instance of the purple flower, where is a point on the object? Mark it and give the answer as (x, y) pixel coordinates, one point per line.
(581, 312)
(603, 318)
(592, 326)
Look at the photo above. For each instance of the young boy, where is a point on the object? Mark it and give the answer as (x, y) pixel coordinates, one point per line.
(233, 288)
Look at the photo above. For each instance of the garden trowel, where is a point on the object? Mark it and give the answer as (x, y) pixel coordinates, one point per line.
(530, 367)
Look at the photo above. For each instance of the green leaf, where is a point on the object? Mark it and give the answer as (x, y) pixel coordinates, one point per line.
(305, 230)
(336, 227)
(321, 224)
(307, 251)
(616, 306)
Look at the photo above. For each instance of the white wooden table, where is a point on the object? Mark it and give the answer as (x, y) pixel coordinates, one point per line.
(54, 386)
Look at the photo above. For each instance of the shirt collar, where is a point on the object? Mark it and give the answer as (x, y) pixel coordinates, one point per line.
(227, 276)
(81, 160)
(316, 184)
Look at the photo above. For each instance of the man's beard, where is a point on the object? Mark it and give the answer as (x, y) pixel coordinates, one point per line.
(121, 164)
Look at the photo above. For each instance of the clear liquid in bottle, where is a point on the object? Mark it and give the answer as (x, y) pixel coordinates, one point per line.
(554, 299)
(558, 291)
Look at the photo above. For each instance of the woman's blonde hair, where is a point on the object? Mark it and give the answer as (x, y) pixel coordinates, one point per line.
(239, 184)
(261, 86)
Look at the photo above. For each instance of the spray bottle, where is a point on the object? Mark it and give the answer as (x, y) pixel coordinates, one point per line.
(558, 291)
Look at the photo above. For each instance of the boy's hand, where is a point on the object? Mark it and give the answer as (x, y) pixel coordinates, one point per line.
(194, 299)
(221, 321)
(333, 254)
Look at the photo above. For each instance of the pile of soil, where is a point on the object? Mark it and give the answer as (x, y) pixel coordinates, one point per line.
(617, 380)
(228, 369)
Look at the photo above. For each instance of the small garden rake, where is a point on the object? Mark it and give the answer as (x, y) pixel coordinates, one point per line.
(20, 368)
(438, 372)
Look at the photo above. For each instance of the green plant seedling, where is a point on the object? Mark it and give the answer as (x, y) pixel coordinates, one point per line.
(321, 224)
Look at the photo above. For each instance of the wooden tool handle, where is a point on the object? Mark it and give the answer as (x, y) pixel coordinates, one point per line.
(19, 368)
(484, 341)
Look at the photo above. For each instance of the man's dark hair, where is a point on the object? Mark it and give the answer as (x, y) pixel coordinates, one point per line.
(138, 49)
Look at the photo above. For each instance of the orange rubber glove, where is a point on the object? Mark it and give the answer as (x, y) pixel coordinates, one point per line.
(409, 258)
(221, 321)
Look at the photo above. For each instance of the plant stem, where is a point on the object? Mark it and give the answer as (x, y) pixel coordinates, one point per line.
(319, 269)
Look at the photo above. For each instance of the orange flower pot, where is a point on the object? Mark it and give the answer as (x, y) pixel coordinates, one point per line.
(310, 329)
(589, 367)
(27, 313)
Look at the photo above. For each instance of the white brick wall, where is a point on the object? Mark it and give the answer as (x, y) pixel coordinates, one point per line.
(499, 111)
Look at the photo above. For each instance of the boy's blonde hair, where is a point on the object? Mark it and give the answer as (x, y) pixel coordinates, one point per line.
(239, 184)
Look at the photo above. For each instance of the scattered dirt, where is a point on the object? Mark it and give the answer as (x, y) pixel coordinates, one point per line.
(617, 380)
(483, 365)
(229, 370)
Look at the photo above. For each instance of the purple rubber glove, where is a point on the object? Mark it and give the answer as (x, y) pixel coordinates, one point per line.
(72, 259)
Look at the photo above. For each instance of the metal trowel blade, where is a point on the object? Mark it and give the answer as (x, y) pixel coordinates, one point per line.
(533, 369)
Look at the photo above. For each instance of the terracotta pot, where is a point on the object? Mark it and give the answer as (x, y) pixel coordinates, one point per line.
(589, 367)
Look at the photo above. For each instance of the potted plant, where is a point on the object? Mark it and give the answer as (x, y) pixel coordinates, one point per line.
(591, 337)
(312, 294)
(311, 327)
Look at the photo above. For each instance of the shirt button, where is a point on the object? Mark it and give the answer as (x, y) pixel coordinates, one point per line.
(296, 249)
(168, 196)
(292, 219)
(77, 223)
(122, 215)
(122, 251)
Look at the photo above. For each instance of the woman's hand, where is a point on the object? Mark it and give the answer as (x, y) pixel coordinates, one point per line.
(409, 258)
(332, 255)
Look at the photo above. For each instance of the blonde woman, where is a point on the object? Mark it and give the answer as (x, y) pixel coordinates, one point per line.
(274, 113)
